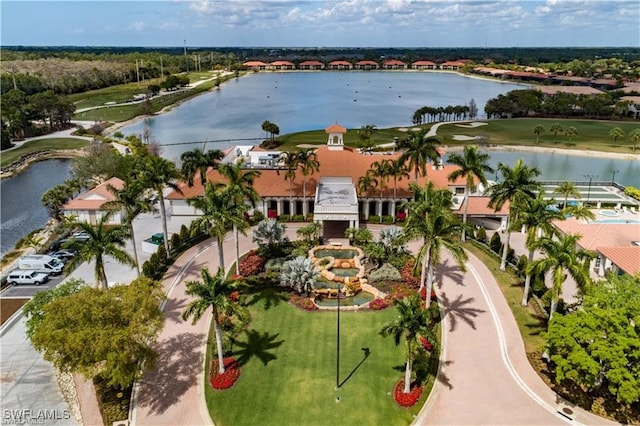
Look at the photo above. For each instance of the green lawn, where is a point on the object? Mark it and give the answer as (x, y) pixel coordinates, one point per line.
(118, 93)
(288, 359)
(530, 322)
(592, 134)
(44, 144)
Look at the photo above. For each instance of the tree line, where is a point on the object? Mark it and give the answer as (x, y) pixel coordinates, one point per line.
(428, 114)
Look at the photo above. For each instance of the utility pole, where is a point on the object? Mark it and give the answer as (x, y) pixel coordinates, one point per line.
(186, 60)
(161, 68)
(137, 72)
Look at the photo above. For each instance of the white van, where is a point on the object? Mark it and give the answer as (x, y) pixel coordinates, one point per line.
(41, 263)
(18, 276)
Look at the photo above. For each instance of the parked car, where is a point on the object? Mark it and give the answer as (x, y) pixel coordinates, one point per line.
(41, 263)
(81, 235)
(64, 255)
(20, 276)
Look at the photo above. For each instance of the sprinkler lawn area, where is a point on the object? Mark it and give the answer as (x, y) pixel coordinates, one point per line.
(288, 364)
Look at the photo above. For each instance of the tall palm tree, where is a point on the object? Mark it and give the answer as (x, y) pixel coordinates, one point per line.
(473, 165)
(635, 137)
(102, 240)
(218, 215)
(538, 129)
(290, 161)
(157, 173)
(518, 182)
(240, 186)
(580, 212)
(132, 201)
(213, 291)
(398, 171)
(568, 189)
(411, 323)
(366, 185)
(534, 214)
(418, 150)
(562, 256)
(308, 162)
(198, 161)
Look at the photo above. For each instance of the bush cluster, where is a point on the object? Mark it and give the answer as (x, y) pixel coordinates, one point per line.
(632, 192)
(387, 272)
(226, 379)
(400, 291)
(379, 304)
(302, 302)
(406, 399)
(251, 264)
(406, 274)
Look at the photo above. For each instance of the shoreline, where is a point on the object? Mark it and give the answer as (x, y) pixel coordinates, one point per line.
(548, 150)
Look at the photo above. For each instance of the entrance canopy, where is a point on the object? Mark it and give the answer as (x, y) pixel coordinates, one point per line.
(336, 199)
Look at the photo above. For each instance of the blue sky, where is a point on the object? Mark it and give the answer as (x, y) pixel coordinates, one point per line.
(311, 23)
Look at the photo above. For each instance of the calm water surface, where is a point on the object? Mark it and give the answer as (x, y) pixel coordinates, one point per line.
(21, 209)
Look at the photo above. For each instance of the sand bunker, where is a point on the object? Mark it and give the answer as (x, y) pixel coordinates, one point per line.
(463, 138)
(472, 124)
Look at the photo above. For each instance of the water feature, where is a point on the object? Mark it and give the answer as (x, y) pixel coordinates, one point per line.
(357, 300)
(336, 253)
(21, 208)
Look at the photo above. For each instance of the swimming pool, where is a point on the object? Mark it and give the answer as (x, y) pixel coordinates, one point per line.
(609, 213)
(618, 221)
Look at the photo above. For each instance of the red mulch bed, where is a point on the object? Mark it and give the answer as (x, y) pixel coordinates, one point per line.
(226, 379)
(406, 399)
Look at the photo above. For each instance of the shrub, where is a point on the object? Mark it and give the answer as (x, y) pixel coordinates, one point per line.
(378, 304)
(387, 220)
(481, 234)
(406, 399)
(226, 379)
(387, 272)
(302, 302)
(423, 294)
(400, 291)
(406, 274)
(184, 233)
(175, 242)
(632, 192)
(256, 217)
(521, 265)
(274, 265)
(297, 218)
(251, 264)
(495, 242)
(284, 218)
(374, 219)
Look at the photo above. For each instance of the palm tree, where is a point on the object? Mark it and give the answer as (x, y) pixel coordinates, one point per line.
(157, 173)
(473, 165)
(308, 162)
(380, 170)
(364, 136)
(214, 292)
(290, 161)
(556, 128)
(534, 214)
(538, 129)
(571, 133)
(635, 137)
(568, 189)
(411, 323)
(367, 184)
(562, 256)
(218, 215)
(616, 133)
(419, 149)
(198, 162)
(518, 182)
(132, 201)
(102, 240)
(580, 212)
(397, 171)
(240, 186)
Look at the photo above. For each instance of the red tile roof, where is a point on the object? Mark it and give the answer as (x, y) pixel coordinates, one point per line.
(96, 197)
(335, 128)
(366, 63)
(480, 206)
(416, 63)
(280, 63)
(311, 63)
(394, 62)
(255, 64)
(594, 235)
(454, 64)
(339, 63)
(626, 258)
(575, 90)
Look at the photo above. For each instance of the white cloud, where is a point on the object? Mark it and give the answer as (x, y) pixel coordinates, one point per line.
(137, 26)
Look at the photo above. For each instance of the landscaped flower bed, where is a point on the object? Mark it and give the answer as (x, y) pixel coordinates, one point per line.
(426, 344)
(406, 399)
(378, 304)
(226, 379)
(303, 302)
(423, 294)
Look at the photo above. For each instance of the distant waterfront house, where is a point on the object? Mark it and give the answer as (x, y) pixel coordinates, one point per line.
(281, 65)
(311, 65)
(87, 207)
(632, 104)
(424, 65)
(394, 64)
(619, 260)
(573, 90)
(340, 65)
(256, 65)
(366, 65)
(452, 65)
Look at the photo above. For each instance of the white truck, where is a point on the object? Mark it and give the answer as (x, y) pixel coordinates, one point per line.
(18, 276)
(41, 263)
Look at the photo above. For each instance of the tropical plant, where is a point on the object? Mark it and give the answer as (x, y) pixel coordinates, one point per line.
(568, 189)
(240, 187)
(571, 132)
(518, 182)
(270, 128)
(311, 232)
(635, 137)
(418, 150)
(364, 136)
(398, 171)
(218, 216)
(300, 274)
(392, 239)
(380, 171)
(102, 239)
(307, 160)
(197, 162)
(132, 200)
(212, 291)
(367, 184)
(411, 323)
(556, 128)
(269, 235)
(562, 257)
(538, 129)
(290, 161)
(472, 165)
(580, 211)
(615, 134)
(535, 215)
(157, 173)
(359, 236)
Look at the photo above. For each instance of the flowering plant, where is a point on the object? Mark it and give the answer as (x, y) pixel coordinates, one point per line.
(423, 294)
(378, 304)
(426, 344)
(406, 399)
(251, 264)
(303, 302)
(227, 379)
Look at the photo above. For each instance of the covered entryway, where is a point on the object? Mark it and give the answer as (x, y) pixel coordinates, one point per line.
(336, 206)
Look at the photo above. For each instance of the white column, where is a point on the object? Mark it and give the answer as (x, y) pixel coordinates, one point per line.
(279, 207)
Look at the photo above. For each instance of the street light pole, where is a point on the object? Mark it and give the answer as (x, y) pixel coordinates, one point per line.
(613, 178)
(338, 346)
(590, 180)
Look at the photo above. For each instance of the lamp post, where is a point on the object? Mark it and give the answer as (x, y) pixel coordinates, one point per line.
(591, 177)
(338, 347)
(613, 177)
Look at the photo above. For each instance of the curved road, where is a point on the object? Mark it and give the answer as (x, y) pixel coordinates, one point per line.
(485, 377)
